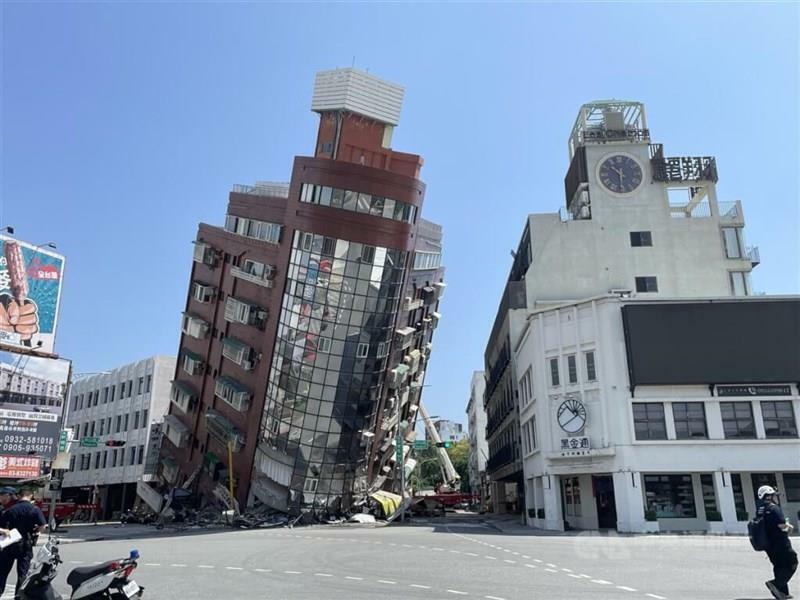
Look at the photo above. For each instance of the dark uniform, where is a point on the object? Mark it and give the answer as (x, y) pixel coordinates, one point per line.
(26, 518)
(780, 551)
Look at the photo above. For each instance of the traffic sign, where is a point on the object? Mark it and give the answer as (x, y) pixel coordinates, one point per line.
(62, 440)
(420, 444)
(89, 442)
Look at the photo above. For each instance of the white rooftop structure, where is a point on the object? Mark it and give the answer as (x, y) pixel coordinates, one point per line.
(355, 91)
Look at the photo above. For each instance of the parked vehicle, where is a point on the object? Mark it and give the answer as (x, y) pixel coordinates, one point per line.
(108, 580)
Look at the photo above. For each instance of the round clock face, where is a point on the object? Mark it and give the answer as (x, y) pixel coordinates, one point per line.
(620, 173)
(571, 416)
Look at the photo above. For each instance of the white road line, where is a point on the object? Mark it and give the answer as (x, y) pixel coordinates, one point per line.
(263, 570)
(625, 588)
(532, 566)
(551, 565)
(293, 572)
(205, 566)
(573, 575)
(77, 562)
(177, 565)
(536, 560)
(513, 562)
(387, 581)
(407, 546)
(470, 554)
(354, 578)
(438, 549)
(234, 568)
(457, 592)
(515, 553)
(657, 597)
(323, 575)
(422, 587)
(551, 570)
(525, 556)
(494, 598)
(145, 564)
(456, 551)
(567, 570)
(602, 582)
(585, 576)
(491, 557)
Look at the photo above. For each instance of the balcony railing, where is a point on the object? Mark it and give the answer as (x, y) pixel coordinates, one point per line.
(754, 255)
(258, 280)
(269, 190)
(730, 211)
(502, 457)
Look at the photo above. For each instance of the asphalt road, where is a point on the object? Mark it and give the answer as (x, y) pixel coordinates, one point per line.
(447, 561)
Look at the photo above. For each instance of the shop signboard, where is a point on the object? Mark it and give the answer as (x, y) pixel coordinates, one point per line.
(20, 467)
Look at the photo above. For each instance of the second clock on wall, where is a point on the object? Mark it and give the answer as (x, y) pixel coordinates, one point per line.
(620, 173)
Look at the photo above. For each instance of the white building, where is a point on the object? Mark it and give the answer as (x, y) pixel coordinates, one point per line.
(17, 386)
(118, 406)
(680, 409)
(450, 431)
(478, 449)
(636, 222)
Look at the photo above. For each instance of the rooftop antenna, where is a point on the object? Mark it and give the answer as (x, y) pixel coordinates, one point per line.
(354, 61)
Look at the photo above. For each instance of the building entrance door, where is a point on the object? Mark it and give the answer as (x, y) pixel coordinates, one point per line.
(604, 497)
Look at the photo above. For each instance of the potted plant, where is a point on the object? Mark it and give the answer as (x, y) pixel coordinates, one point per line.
(651, 522)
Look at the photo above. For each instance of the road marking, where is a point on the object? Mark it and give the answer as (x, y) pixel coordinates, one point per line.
(515, 553)
(491, 557)
(470, 554)
(234, 568)
(513, 562)
(551, 565)
(205, 566)
(602, 582)
(145, 564)
(422, 587)
(493, 598)
(407, 546)
(573, 575)
(585, 576)
(656, 596)
(626, 588)
(567, 570)
(457, 592)
(293, 572)
(387, 581)
(532, 566)
(354, 578)
(263, 570)
(536, 560)
(77, 562)
(323, 574)
(525, 556)
(177, 565)
(438, 549)
(551, 570)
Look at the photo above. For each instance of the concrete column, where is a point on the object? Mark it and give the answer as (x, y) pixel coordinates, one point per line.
(725, 501)
(553, 515)
(499, 497)
(629, 500)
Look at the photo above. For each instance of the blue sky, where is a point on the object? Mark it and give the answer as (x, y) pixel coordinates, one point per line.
(124, 125)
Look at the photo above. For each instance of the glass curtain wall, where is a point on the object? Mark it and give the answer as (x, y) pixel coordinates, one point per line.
(327, 372)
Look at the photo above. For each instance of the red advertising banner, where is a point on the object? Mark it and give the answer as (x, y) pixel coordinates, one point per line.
(20, 467)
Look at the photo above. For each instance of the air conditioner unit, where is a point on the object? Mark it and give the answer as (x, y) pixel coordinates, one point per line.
(620, 292)
(248, 365)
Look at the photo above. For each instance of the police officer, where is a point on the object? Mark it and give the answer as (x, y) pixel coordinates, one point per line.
(780, 551)
(24, 516)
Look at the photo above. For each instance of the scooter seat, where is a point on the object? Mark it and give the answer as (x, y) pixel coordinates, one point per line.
(79, 575)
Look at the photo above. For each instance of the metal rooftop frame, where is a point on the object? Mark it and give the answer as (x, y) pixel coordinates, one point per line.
(591, 116)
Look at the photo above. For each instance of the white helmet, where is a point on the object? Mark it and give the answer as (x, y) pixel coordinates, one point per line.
(766, 490)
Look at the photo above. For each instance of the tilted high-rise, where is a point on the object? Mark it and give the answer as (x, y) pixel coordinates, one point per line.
(309, 319)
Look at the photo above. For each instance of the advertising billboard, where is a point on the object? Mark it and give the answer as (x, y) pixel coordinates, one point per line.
(32, 397)
(19, 467)
(30, 292)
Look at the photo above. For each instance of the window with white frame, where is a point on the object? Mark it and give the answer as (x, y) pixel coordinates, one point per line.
(554, 376)
(259, 230)
(591, 369)
(362, 351)
(236, 311)
(382, 350)
(427, 260)
(739, 285)
(526, 387)
(572, 369)
(324, 345)
(733, 242)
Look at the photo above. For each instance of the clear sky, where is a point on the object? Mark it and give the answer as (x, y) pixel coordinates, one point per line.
(124, 125)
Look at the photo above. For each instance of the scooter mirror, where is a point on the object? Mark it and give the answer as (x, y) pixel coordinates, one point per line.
(134, 554)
